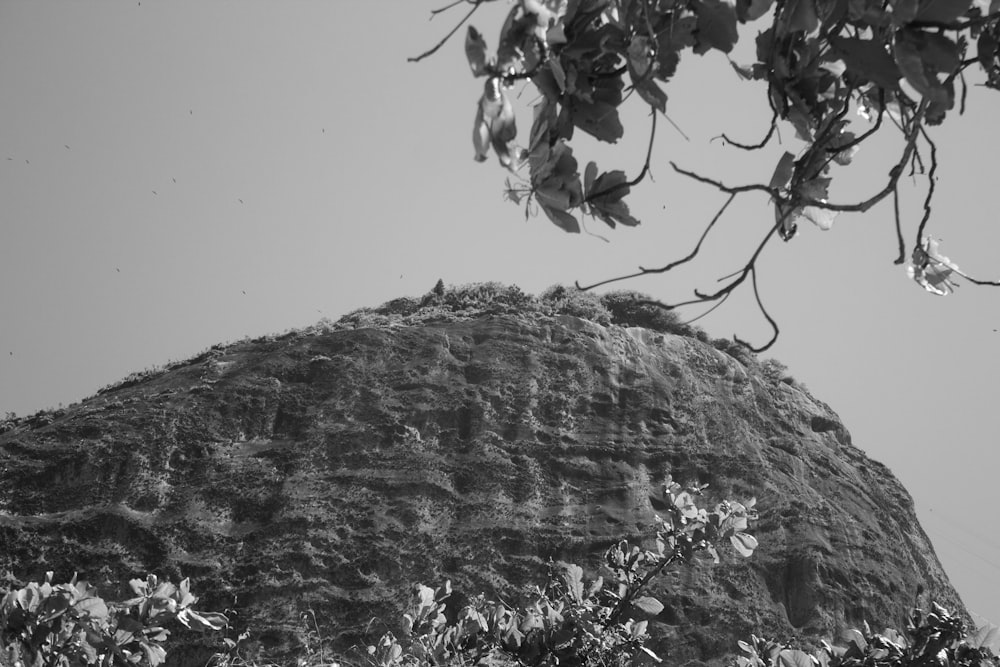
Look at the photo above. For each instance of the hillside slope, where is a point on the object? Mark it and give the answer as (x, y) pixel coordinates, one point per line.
(472, 440)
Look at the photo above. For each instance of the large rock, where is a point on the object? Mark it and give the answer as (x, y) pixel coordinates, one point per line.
(328, 470)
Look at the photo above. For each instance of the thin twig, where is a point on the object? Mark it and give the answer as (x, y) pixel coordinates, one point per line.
(434, 50)
(642, 174)
(763, 142)
(643, 271)
(899, 229)
(733, 190)
(435, 12)
(930, 187)
(859, 207)
(767, 316)
(707, 312)
(746, 270)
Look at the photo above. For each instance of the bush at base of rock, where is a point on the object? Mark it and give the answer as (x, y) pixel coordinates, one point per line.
(69, 625)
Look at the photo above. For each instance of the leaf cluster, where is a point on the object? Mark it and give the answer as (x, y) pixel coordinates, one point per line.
(936, 638)
(70, 625)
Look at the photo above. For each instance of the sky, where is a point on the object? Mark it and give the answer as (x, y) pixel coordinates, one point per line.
(180, 173)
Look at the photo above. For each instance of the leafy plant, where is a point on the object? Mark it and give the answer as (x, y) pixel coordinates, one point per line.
(899, 65)
(70, 625)
(934, 638)
(570, 621)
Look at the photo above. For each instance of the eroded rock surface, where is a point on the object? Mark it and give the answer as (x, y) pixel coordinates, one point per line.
(330, 470)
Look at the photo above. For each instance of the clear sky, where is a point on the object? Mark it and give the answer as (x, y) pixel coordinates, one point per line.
(179, 173)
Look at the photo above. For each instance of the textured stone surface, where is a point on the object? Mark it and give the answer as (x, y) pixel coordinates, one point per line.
(328, 470)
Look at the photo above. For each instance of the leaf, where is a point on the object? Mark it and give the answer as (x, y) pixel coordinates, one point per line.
(680, 36)
(562, 219)
(744, 543)
(610, 186)
(640, 57)
(783, 171)
(868, 60)
(648, 605)
(800, 16)
(649, 654)
(904, 11)
(794, 658)
(204, 621)
(753, 9)
(816, 189)
(92, 607)
(942, 11)
(572, 576)
(475, 52)
(986, 48)
(652, 94)
(685, 503)
(852, 636)
(598, 119)
(480, 135)
(589, 174)
(716, 26)
(918, 57)
(155, 655)
(613, 212)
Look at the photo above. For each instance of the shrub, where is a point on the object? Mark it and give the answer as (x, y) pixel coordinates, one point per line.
(489, 297)
(774, 371)
(69, 625)
(634, 309)
(569, 621)
(572, 301)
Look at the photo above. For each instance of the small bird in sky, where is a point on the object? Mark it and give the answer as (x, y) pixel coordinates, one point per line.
(153, 191)
(66, 146)
(240, 200)
(118, 270)
(174, 180)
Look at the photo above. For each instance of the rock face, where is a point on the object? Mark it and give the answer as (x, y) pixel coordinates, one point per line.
(328, 470)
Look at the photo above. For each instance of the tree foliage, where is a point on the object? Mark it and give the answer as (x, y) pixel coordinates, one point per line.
(899, 65)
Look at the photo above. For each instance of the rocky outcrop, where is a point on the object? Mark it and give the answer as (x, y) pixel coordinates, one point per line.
(327, 470)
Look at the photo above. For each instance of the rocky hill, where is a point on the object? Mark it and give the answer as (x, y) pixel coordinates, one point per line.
(473, 435)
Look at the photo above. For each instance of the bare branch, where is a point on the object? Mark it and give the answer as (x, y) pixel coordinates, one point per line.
(763, 142)
(746, 269)
(441, 10)
(899, 230)
(725, 188)
(707, 312)
(434, 50)
(770, 320)
(643, 271)
(931, 181)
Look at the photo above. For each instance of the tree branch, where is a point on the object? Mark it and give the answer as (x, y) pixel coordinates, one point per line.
(931, 181)
(899, 229)
(756, 187)
(643, 271)
(770, 320)
(642, 174)
(433, 50)
(763, 142)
